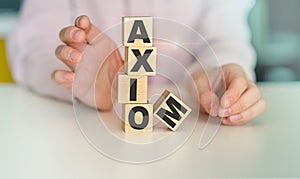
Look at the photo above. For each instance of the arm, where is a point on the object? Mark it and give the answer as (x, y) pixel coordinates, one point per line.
(31, 46)
(224, 26)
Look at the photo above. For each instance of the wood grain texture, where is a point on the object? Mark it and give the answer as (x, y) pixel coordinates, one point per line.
(137, 117)
(170, 110)
(126, 88)
(127, 27)
(145, 63)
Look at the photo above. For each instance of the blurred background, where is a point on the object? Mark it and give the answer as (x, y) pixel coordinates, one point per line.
(274, 25)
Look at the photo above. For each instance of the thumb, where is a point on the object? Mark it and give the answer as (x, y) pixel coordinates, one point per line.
(85, 24)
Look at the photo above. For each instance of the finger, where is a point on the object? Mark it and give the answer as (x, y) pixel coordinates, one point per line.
(71, 35)
(83, 22)
(68, 55)
(226, 122)
(250, 97)
(63, 78)
(74, 37)
(235, 89)
(209, 102)
(247, 115)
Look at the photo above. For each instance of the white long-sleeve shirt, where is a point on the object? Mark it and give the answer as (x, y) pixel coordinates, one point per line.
(222, 23)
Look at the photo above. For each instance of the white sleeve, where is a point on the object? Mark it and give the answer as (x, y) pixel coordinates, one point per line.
(32, 44)
(225, 27)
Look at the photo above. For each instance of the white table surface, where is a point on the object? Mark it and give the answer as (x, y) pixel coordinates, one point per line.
(39, 138)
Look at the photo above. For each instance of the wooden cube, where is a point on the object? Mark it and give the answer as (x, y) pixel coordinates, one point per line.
(171, 110)
(137, 31)
(140, 61)
(138, 117)
(132, 89)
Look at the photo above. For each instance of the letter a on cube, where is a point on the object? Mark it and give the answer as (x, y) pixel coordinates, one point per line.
(137, 31)
(171, 110)
(140, 61)
(138, 117)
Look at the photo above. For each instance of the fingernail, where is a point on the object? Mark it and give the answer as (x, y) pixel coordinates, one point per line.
(76, 35)
(224, 112)
(235, 117)
(214, 110)
(75, 56)
(227, 102)
(68, 76)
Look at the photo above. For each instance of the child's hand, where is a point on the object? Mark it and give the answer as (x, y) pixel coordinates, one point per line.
(76, 38)
(241, 101)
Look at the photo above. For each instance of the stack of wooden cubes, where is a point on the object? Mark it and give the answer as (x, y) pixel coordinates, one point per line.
(140, 62)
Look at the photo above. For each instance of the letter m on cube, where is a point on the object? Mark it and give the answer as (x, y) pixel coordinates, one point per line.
(171, 110)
